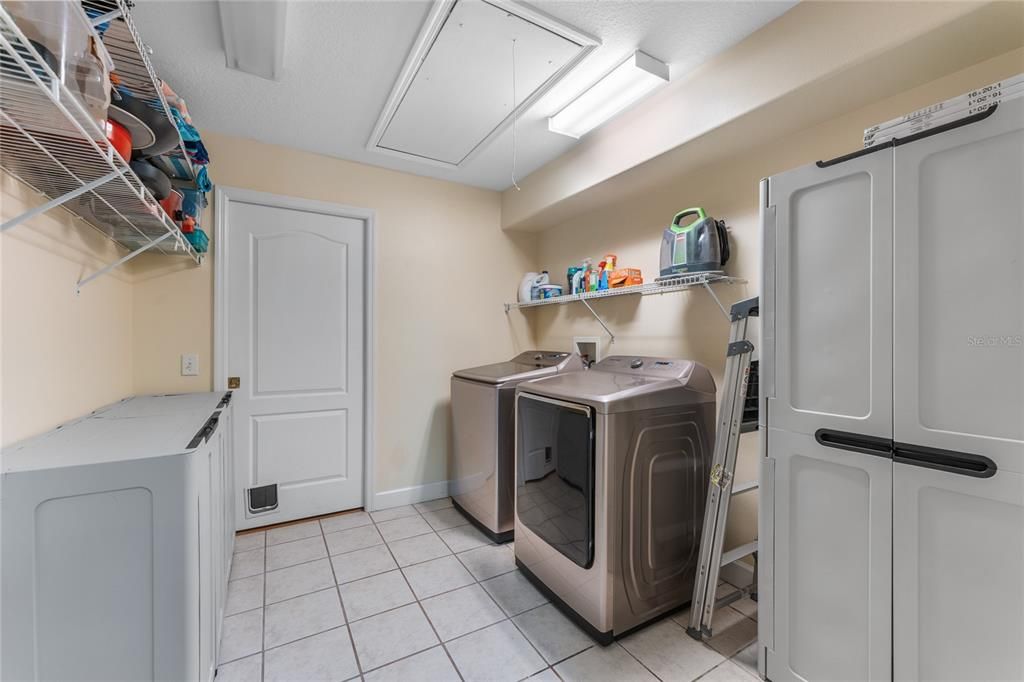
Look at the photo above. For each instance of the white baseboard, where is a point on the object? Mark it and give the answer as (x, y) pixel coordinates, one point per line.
(417, 493)
(738, 573)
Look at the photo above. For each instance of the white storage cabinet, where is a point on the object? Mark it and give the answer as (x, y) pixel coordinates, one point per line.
(892, 505)
(118, 531)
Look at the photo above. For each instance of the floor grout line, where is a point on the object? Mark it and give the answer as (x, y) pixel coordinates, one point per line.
(424, 612)
(263, 617)
(341, 602)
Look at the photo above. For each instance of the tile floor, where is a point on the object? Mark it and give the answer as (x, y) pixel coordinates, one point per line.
(415, 593)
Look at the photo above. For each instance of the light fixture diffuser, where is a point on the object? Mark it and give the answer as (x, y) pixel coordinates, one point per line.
(620, 88)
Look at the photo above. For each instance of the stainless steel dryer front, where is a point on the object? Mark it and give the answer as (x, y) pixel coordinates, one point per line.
(483, 435)
(612, 467)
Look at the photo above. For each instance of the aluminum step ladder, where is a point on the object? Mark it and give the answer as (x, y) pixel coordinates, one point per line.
(720, 484)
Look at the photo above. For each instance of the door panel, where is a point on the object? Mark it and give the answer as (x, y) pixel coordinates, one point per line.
(832, 589)
(295, 339)
(555, 469)
(958, 612)
(832, 307)
(959, 290)
(958, 575)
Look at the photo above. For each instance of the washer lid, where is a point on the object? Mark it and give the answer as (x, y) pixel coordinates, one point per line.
(625, 383)
(532, 364)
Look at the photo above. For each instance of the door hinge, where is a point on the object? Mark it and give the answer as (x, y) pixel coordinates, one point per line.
(234, 382)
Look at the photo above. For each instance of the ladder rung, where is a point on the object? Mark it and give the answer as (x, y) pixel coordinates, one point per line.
(744, 487)
(738, 553)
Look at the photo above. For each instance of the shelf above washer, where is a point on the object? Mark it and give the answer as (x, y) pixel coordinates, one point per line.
(664, 286)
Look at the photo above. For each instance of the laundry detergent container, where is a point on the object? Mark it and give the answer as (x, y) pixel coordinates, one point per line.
(483, 435)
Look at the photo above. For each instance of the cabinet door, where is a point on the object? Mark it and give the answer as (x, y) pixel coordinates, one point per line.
(958, 610)
(958, 575)
(828, 351)
(829, 308)
(832, 555)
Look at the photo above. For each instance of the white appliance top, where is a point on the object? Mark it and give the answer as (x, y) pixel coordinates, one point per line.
(135, 428)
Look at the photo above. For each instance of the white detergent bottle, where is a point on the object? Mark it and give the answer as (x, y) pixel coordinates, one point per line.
(526, 286)
(541, 279)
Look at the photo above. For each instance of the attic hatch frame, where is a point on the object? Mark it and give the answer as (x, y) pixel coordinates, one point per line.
(432, 26)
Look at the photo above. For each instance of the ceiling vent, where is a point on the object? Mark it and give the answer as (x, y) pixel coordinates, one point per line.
(454, 94)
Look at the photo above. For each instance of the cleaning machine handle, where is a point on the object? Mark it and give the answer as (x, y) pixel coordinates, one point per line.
(699, 212)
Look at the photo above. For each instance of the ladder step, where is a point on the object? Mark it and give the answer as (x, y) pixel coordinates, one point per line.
(744, 487)
(738, 553)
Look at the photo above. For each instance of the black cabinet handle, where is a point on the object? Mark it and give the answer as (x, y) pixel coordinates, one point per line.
(963, 463)
(855, 442)
(204, 433)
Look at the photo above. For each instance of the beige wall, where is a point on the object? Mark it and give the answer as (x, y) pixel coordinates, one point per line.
(62, 354)
(689, 324)
(444, 267)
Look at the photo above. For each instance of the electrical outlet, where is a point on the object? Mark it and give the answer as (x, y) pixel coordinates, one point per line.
(189, 364)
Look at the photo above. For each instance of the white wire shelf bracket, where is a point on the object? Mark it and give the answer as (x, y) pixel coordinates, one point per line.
(702, 280)
(50, 142)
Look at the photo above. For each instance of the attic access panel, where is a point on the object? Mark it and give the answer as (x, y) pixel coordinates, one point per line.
(454, 94)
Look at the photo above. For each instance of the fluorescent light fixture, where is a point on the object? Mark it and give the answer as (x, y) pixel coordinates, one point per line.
(253, 34)
(620, 88)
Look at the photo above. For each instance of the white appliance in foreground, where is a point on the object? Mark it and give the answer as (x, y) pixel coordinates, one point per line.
(892, 395)
(118, 531)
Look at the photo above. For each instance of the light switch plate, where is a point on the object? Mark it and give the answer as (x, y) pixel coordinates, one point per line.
(189, 364)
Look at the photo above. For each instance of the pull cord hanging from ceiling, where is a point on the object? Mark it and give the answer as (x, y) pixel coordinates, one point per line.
(514, 183)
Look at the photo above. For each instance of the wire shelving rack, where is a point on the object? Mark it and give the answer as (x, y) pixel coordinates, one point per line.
(50, 142)
(664, 285)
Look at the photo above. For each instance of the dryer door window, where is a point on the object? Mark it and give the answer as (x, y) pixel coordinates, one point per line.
(555, 474)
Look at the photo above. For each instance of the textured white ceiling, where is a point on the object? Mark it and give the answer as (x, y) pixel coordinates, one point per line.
(342, 58)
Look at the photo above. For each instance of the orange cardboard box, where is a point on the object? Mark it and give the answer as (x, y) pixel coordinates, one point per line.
(625, 277)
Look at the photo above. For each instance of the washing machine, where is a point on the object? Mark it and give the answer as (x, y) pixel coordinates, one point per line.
(612, 467)
(483, 435)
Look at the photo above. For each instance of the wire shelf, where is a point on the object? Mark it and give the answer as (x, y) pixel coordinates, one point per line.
(667, 285)
(131, 57)
(49, 141)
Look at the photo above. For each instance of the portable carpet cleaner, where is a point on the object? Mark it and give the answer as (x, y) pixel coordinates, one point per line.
(698, 246)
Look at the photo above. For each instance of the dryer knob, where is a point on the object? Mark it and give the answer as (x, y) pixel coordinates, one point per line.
(636, 364)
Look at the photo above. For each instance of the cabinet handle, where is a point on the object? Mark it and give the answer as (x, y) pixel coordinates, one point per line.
(855, 442)
(204, 433)
(950, 461)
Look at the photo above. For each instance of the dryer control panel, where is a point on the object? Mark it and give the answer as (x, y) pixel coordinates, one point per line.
(649, 366)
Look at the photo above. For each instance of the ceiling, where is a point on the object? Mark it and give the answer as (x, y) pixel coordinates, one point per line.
(342, 58)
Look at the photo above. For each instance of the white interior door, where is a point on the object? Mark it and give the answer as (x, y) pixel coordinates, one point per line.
(958, 530)
(295, 322)
(829, 311)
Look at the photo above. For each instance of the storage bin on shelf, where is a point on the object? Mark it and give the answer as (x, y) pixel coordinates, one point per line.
(61, 33)
(198, 239)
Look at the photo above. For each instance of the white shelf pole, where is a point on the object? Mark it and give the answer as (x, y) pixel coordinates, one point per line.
(133, 254)
(718, 302)
(599, 320)
(54, 203)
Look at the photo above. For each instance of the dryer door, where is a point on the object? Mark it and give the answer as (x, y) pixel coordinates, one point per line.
(555, 474)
